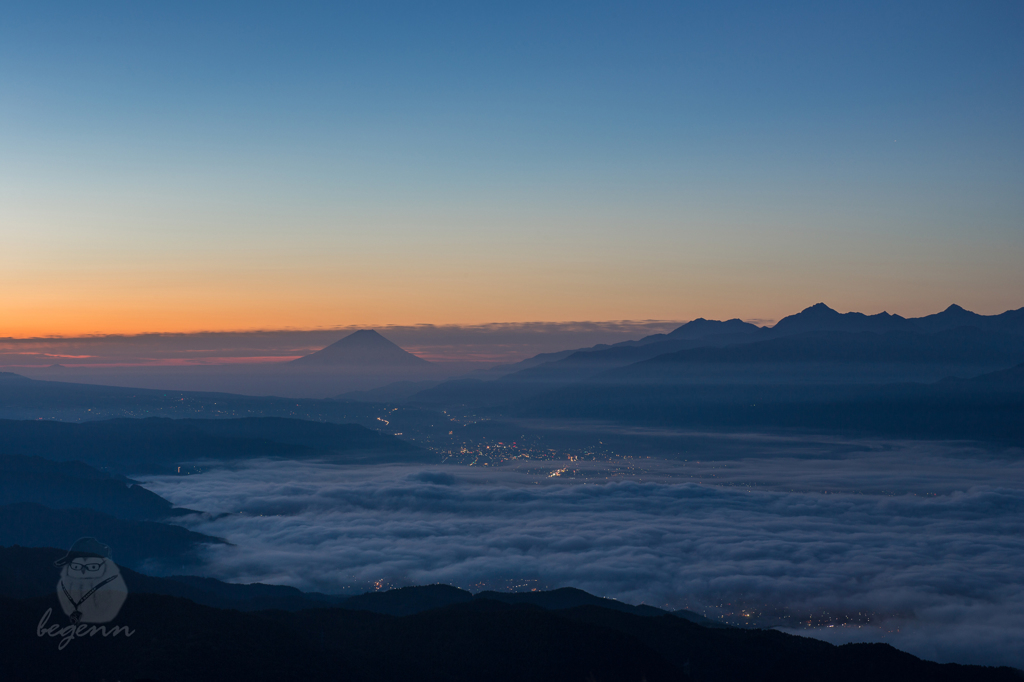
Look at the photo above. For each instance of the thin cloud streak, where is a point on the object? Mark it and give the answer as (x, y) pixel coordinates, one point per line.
(497, 342)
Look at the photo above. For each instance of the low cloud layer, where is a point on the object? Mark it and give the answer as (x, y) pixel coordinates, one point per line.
(498, 342)
(934, 569)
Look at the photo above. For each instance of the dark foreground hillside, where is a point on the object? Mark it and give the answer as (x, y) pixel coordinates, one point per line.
(263, 632)
(175, 639)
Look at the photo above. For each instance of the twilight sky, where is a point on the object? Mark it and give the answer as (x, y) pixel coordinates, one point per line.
(229, 166)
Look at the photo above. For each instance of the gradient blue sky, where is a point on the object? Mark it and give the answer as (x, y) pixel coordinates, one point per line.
(186, 166)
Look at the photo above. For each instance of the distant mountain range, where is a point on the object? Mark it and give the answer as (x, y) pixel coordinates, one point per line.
(156, 445)
(816, 318)
(820, 318)
(706, 373)
(818, 370)
(22, 398)
(885, 348)
(364, 348)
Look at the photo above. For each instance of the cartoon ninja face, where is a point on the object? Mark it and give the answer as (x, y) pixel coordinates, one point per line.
(88, 567)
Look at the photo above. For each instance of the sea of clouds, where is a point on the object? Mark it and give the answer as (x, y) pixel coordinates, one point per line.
(919, 547)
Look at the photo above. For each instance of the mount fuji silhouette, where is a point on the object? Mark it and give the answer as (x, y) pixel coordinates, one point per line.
(363, 348)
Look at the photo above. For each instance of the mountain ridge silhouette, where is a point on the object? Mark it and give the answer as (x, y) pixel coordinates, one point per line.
(365, 347)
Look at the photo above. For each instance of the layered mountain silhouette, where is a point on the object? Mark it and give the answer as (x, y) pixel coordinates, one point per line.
(537, 374)
(960, 346)
(816, 344)
(156, 445)
(75, 485)
(818, 370)
(137, 542)
(1011, 379)
(984, 411)
(364, 348)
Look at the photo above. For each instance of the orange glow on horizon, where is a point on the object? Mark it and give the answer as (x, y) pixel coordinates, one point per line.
(172, 362)
(204, 300)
